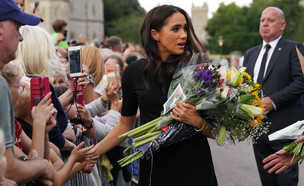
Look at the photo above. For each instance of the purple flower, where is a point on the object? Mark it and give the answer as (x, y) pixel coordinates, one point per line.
(198, 75)
(207, 76)
(200, 91)
(210, 89)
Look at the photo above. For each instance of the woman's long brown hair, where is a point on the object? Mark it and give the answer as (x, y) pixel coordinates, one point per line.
(156, 19)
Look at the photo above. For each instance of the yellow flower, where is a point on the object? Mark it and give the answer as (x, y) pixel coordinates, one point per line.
(228, 74)
(247, 76)
(256, 85)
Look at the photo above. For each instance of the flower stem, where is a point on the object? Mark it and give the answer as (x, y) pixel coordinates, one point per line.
(148, 135)
(142, 128)
(142, 142)
(134, 158)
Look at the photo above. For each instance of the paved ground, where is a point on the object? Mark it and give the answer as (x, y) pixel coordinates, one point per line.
(235, 165)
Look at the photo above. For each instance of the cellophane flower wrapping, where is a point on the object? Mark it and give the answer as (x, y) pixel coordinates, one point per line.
(229, 101)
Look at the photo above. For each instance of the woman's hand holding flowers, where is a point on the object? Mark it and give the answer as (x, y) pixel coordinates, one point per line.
(187, 113)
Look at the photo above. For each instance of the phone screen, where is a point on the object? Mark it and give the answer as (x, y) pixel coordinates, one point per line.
(75, 64)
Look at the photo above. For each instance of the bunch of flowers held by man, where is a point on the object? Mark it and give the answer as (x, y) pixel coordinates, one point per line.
(230, 104)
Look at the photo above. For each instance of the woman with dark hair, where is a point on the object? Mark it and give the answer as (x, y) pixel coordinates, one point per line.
(168, 39)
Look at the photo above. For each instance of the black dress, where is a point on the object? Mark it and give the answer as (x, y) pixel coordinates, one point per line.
(187, 163)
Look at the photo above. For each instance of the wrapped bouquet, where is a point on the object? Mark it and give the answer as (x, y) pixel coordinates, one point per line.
(228, 100)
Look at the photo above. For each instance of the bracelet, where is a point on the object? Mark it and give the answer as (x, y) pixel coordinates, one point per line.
(90, 79)
(202, 128)
(91, 125)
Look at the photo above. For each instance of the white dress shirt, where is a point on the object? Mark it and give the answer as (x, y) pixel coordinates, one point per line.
(257, 66)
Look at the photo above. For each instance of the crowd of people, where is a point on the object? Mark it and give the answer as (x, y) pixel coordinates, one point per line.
(71, 136)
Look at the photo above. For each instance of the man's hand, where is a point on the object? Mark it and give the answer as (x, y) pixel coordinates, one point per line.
(279, 161)
(268, 105)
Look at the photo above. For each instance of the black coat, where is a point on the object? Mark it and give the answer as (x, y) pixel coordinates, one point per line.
(283, 82)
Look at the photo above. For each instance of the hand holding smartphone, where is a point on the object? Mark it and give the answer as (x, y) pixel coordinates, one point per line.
(75, 61)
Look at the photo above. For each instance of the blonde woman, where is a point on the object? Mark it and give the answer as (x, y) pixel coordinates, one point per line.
(93, 60)
(36, 55)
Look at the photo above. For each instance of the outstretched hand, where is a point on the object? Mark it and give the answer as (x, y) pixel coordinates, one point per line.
(279, 161)
(84, 154)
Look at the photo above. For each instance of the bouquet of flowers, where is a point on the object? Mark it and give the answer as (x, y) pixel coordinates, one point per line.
(229, 102)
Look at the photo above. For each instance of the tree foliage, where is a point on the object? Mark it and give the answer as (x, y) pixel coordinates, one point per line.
(239, 26)
(123, 18)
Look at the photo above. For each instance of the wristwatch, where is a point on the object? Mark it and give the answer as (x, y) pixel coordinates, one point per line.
(91, 125)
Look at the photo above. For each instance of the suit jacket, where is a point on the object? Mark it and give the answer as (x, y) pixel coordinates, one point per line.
(283, 82)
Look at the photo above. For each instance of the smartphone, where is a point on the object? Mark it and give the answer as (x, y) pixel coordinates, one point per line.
(36, 6)
(80, 99)
(112, 73)
(75, 61)
(40, 87)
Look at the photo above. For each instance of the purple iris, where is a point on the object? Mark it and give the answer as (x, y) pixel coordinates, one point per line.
(207, 76)
(198, 75)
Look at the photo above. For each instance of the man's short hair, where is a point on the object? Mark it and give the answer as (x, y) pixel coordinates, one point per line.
(112, 42)
(58, 24)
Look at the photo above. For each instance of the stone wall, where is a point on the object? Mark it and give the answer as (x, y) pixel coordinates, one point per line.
(199, 17)
(83, 16)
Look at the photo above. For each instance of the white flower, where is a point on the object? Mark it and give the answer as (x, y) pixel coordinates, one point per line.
(210, 68)
(236, 75)
(225, 91)
(252, 110)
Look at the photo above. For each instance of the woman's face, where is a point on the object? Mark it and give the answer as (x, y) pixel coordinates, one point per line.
(58, 80)
(171, 40)
(20, 4)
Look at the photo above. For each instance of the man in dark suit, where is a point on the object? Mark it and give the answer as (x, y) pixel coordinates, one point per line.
(275, 65)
